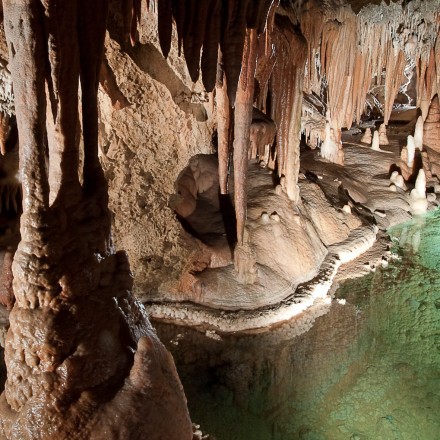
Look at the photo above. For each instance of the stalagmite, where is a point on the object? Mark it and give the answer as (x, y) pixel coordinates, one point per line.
(367, 137)
(383, 138)
(376, 141)
(83, 360)
(418, 134)
(330, 149)
(262, 136)
(420, 186)
(410, 151)
(418, 201)
(397, 180)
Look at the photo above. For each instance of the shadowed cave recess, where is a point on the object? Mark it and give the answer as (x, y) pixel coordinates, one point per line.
(220, 169)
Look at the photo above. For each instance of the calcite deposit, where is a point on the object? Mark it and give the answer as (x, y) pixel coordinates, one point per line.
(212, 163)
(82, 359)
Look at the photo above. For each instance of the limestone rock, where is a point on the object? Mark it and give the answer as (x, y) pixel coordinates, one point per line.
(375, 142)
(367, 137)
(418, 134)
(383, 138)
(431, 127)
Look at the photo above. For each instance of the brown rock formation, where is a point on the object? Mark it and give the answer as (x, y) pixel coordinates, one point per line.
(431, 127)
(201, 28)
(242, 129)
(431, 136)
(224, 125)
(286, 88)
(83, 361)
(7, 298)
(263, 131)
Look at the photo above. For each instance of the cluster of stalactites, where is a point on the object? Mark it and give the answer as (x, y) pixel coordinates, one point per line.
(356, 52)
(277, 65)
(391, 37)
(286, 86)
(204, 26)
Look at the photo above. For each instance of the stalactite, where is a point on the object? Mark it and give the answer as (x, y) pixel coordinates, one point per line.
(224, 113)
(371, 48)
(165, 24)
(312, 22)
(210, 45)
(4, 131)
(339, 53)
(286, 92)
(421, 67)
(232, 43)
(202, 26)
(430, 81)
(7, 298)
(266, 59)
(393, 78)
(242, 127)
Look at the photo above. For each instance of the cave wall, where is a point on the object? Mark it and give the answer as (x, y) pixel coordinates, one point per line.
(144, 148)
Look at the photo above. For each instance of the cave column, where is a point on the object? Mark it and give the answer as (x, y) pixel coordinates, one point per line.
(294, 138)
(82, 359)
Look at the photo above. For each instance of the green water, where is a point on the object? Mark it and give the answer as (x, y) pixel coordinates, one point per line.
(369, 369)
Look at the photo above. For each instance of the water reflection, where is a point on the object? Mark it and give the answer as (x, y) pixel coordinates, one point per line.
(369, 369)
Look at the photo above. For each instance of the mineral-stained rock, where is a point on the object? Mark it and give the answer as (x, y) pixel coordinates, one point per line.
(242, 129)
(83, 360)
(383, 138)
(6, 293)
(418, 134)
(367, 137)
(262, 136)
(431, 128)
(376, 141)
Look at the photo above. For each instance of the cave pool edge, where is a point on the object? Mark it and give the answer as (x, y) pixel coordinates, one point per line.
(367, 370)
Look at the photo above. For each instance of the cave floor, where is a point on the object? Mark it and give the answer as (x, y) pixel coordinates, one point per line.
(334, 197)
